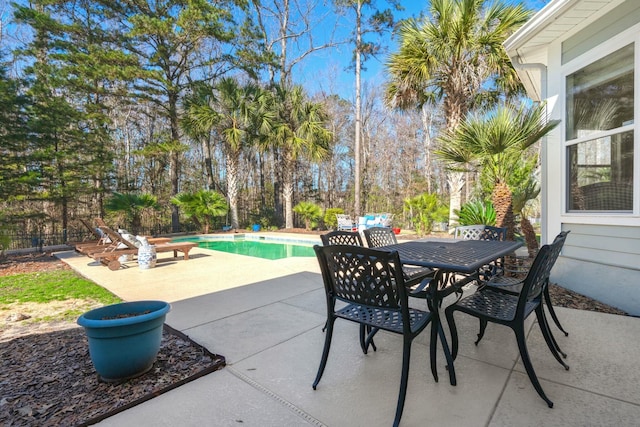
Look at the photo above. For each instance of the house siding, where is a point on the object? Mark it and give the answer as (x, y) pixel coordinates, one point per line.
(619, 19)
(601, 257)
(603, 262)
(606, 244)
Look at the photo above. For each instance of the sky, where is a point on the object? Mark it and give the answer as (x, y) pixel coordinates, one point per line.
(327, 71)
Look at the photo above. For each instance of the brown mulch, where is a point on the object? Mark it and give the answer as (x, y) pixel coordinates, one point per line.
(46, 375)
(562, 297)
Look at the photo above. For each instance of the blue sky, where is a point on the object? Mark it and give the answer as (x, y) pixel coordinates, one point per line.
(327, 72)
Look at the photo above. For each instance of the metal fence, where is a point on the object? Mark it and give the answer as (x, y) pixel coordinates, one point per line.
(25, 240)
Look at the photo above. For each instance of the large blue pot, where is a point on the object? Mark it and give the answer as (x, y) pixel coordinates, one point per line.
(124, 339)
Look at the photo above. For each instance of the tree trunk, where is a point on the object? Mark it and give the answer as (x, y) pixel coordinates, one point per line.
(232, 186)
(454, 111)
(175, 160)
(502, 203)
(262, 189)
(277, 193)
(426, 125)
(358, 113)
(529, 236)
(208, 164)
(287, 190)
(456, 182)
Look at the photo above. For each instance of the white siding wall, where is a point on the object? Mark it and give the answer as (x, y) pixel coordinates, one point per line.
(602, 262)
(601, 257)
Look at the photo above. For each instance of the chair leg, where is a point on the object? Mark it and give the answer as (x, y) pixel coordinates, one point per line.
(406, 357)
(552, 312)
(553, 339)
(325, 351)
(548, 337)
(524, 355)
(483, 327)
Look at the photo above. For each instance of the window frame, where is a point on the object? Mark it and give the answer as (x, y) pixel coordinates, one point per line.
(629, 36)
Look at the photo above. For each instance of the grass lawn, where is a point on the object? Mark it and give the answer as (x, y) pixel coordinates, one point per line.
(49, 288)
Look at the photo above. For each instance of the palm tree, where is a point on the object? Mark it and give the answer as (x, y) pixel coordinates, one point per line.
(496, 141)
(309, 212)
(455, 56)
(131, 206)
(238, 113)
(527, 190)
(200, 94)
(299, 131)
(202, 206)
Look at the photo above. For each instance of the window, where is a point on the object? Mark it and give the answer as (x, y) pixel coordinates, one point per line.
(599, 134)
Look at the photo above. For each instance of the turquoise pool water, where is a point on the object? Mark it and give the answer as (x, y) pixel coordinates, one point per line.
(257, 248)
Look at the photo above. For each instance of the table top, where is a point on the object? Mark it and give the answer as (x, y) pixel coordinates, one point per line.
(464, 256)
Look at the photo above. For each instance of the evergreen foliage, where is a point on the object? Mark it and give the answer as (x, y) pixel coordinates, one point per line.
(202, 207)
(424, 210)
(130, 207)
(330, 219)
(477, 212)
(168, 98)
(309, 212)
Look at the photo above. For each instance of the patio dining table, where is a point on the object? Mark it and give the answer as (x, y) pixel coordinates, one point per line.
(456, 256)
(451, 257)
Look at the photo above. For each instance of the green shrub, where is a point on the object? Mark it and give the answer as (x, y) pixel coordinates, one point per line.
(5, 238)
(309, 212)
(330, 220)
(424, 210)
(477, 212)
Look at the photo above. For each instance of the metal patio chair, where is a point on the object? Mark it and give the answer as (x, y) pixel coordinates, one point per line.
(340, 237)
(469, 232)
(383, 236)
(492, 233)
(510, 310)
(372, 286)
(345, 223)
(513, 285)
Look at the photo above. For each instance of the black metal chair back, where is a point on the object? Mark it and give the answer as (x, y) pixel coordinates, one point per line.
(513, 285)
(545, 268)
(379, 236)
(372, 286)
(382, 236)
(340, 237)
(493, 233)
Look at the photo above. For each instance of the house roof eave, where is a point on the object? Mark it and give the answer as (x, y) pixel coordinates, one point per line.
(528, 46)
(548, 15)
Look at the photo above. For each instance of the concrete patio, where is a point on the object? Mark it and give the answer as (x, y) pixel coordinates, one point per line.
(266, 318)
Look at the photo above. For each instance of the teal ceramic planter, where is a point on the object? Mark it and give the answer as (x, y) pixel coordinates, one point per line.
(124, 339)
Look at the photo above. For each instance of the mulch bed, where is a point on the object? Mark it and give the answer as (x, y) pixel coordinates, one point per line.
(48, 379)
(46, 374)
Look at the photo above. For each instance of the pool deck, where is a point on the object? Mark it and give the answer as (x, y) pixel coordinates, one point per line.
(266, 318)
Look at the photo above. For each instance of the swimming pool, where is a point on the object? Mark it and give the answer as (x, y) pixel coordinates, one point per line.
(260, 248)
